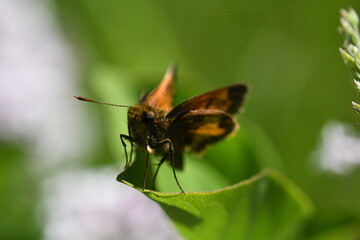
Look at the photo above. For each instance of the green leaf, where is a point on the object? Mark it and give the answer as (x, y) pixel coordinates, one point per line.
(198, 175)
(266, 206)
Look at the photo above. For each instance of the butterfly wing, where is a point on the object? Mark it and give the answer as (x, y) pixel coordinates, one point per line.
(198, 129)
(205, 119)
(228, 99)
(162, 96)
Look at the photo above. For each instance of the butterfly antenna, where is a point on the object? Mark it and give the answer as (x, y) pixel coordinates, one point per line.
(94, 101)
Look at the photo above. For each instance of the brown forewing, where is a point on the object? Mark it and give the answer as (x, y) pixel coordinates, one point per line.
(228, 99)
(162, 96)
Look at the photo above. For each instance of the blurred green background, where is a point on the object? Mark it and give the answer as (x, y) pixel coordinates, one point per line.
(286, 51)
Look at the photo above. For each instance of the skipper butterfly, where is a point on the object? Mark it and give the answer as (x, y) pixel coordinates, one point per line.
(168, 131)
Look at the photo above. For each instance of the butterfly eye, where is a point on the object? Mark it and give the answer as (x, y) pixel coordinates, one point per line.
(148, 117)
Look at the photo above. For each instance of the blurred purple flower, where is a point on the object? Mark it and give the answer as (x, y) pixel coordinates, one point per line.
(90, 204)
(38, 76)
(339, 150)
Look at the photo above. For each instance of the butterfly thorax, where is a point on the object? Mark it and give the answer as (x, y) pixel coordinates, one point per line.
(147, 125)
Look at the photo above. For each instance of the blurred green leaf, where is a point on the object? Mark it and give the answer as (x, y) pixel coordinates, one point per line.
(345, 231)
(109, 83)
(244, 154)
(19, 194)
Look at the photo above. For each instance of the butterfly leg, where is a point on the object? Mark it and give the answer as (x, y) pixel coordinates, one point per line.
(132, 145)
(157, 169)
(146, 168)
(131, 151)
(131, 140)
(172, 159)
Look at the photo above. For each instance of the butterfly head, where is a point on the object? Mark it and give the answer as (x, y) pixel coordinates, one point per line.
(141, 115)
(141, 118)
